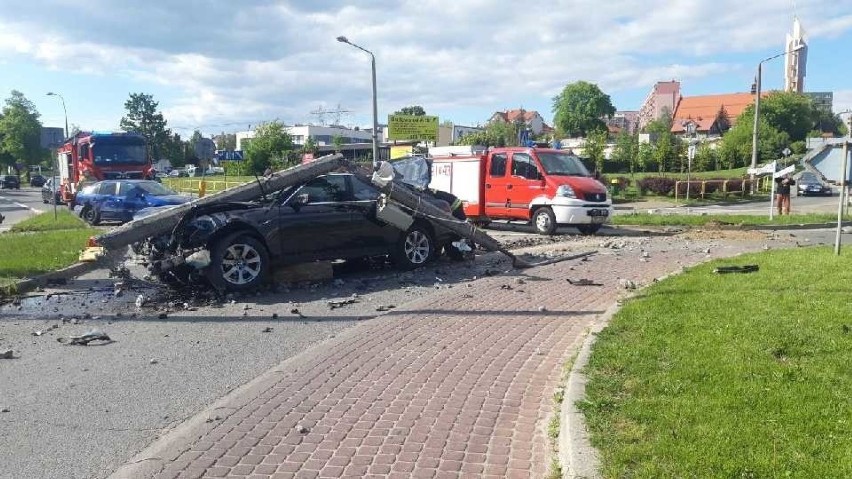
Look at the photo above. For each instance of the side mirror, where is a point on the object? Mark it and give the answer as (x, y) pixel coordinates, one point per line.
(300, 201)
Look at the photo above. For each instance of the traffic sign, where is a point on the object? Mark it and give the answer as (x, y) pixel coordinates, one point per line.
(232, 155)
(785, 171)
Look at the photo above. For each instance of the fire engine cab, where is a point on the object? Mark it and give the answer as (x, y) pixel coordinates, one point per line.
(546, 187)
(88, 157)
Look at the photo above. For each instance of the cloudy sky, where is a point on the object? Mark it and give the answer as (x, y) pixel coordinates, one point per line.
(220, 65)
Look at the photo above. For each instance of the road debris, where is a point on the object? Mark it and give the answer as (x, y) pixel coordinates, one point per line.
(749, 268)
(627, 283)
(297, 312)
(384, 308)
(583, 282)
(86, 338)
(339, 303)
(140, 301)
(7, 354)
(266, 330)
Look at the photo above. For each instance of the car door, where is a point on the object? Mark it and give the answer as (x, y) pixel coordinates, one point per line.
(313, 222)
(100, 199)
(496, 197)
(524, 184)
(112, 199)
(370, 234)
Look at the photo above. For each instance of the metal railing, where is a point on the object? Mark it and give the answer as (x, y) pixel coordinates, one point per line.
(719, 187)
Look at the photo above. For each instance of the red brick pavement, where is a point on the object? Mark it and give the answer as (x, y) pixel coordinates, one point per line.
(455, 385)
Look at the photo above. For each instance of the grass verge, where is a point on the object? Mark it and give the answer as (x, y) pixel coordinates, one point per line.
(707, 375)
(39, 245)
(701, 220)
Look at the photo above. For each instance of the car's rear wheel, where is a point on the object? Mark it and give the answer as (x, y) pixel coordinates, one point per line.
(415, 247)
(238, 262)
(90, 215)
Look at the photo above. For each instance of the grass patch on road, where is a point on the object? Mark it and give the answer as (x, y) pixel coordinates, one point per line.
(65, 220)
(646, 219)
(40, 244)
(729, 375)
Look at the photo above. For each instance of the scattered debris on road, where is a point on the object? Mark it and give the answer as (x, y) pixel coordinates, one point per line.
(339, 303)
(266, 330)
(86, 338)
(7, 354)
(583, 282)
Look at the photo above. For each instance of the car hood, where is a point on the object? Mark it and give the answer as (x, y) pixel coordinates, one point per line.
(167, 200)
(580, 184)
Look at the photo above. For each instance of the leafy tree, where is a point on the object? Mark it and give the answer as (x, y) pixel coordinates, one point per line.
(496, 133)
(310, 146)
(644, 156)
(664, 150)
(270, 147)
(790, 112)
(735, 150)
(626, 149)
(706, 158)
(337, 142)
(20, 132)
(723, 121)
(579, 108)
(415, 110)
(662, 125)
(226, 141)
(594, 149)
(143, 118)
(176, 151)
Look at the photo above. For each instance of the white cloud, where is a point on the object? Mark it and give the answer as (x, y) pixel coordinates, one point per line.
(267, 59)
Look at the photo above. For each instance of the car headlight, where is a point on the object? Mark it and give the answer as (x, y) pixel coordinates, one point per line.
(565, 191)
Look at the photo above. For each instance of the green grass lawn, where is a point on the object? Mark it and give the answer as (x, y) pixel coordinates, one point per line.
(729, 375)
(645, 219)
(39, 245)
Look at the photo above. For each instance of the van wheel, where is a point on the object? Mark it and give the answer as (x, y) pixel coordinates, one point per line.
(544, 221)
(90, 216)
(237, 263)
(415, 248)
(588, 229)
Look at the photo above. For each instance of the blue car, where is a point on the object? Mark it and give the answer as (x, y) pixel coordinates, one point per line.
(119, 200)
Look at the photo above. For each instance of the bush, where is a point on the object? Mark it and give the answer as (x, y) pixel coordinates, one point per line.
(622, 181)
(657, 185)
(694, 189)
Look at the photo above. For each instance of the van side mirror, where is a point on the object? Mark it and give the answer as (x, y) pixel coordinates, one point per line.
(300, 201)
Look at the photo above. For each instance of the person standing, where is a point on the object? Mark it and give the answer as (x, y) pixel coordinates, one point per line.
(782, 193)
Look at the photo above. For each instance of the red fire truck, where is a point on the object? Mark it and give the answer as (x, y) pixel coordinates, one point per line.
(92, 156)
(546, 187)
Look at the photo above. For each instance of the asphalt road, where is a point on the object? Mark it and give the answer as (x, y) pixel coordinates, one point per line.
(18, 205)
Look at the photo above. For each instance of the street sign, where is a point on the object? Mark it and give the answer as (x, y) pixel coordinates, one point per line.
(413, 127)
(785, 171)
(231, 155)
(690, 152)
(765, 169)
(205, 149)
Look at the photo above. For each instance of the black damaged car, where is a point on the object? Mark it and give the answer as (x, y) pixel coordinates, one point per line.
(330, 217)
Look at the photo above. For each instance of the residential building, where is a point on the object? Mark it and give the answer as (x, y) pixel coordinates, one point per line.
(627, 121)
(531, 118)
(824, 100)
(705, 110)
(795, 62)
(663, 97)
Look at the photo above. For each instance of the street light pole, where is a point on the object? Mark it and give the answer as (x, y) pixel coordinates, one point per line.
(53, 177)
(757, 82)
(343, 39)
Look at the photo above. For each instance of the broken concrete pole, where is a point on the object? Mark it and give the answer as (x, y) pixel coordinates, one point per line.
(164, 221)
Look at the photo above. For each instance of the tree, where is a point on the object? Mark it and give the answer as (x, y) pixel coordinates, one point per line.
(415, 110)
(644, 156)
(663, 151)
(226, 141)
(579, 108)
(143, 118)
(625, 151)
(310, 146)
(337, 142)
(735, 150)
(496, 133)
(723, 122)
(706, 158)
(594, 149)
(270, 147)
(20, 132)
(176, 150)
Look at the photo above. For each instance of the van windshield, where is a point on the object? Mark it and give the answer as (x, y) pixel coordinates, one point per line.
(562, 164)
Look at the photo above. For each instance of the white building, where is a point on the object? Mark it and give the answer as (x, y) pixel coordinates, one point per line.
(322, 135)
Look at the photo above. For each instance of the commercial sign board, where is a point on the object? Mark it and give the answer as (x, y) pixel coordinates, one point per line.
(412, 127)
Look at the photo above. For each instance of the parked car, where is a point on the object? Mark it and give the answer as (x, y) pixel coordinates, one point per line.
(49, 194)
(10, 182)
(329, 217)
(178, 172)
(37, 181)
(809, 184)
(119, 200)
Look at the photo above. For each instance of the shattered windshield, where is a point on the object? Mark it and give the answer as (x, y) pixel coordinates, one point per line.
(562, 164)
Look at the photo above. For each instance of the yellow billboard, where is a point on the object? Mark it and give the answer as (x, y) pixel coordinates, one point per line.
(413, 127)
(400, 151)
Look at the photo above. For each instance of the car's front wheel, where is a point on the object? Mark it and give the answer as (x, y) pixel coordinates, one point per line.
(90, 215)
(415, 247)
(238, 262)
(544, 221)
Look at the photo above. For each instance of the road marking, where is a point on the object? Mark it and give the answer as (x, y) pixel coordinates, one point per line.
(21, 205)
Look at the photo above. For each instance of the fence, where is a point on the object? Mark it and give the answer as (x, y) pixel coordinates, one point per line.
(703, 188)
(193, 185)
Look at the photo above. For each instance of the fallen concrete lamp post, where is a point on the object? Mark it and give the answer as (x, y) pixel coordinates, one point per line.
(164, 221)
(407, 197)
